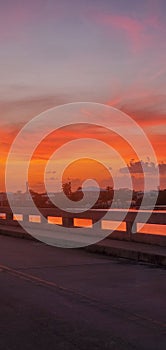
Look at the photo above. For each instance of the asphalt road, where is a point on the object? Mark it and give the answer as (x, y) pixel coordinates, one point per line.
(61, 299)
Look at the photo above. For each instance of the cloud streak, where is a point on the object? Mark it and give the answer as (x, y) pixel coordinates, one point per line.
(131, 28)
(138, 32)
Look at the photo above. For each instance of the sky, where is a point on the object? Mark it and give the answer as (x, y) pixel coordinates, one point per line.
(105, 51)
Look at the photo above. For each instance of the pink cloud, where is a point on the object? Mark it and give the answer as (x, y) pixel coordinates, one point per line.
(13, 21)
(133, 29)
(16, 20)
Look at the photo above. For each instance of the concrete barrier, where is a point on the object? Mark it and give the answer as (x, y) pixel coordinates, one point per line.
(8, 222)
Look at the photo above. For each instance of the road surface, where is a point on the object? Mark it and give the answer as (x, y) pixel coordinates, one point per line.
(59, 299)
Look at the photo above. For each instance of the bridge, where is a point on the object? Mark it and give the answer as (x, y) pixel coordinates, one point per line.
(144, 246)
(71, 299)
(87, 218)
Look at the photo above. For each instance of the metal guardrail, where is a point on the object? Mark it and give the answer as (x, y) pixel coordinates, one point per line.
(72, 220)
(157, 217)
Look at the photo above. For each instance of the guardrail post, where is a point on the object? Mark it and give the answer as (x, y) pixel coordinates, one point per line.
(130, 225)
(26, 218)
(67, 222)
(9, 218)
(97, 224)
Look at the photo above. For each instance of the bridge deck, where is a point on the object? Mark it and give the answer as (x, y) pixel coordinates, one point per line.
(71, 299)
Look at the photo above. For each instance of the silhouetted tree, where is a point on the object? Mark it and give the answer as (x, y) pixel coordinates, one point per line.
(66, 187)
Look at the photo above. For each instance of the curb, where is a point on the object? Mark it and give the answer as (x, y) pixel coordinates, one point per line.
(139, 252)
(110, 248)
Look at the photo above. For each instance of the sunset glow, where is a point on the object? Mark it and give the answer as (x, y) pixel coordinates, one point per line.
(114, 56)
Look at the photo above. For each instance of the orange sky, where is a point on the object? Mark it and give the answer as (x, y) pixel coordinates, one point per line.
(76, 173)
(70, 51)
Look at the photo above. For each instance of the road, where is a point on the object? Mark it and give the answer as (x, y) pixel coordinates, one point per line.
(61, 299)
